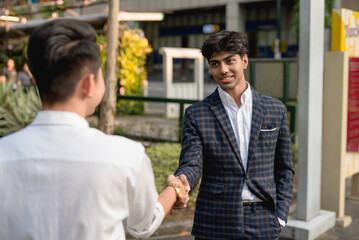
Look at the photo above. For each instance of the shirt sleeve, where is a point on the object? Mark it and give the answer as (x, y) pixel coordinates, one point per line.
(145, 213)
(281, 222)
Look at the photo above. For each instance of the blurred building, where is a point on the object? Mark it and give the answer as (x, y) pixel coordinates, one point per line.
(188, 23)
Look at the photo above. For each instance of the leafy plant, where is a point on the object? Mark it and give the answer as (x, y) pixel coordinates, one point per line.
(101, 41)
(165, 157)
(132, 73)
(17, 107)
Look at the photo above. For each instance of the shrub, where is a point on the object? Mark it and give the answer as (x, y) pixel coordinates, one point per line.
(17, 107)
(165, 157)
(132, 73)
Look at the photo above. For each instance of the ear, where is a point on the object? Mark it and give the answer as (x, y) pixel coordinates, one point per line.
(88, 86)
(245, 61)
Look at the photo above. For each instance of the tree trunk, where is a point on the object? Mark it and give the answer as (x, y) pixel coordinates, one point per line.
(108, 105)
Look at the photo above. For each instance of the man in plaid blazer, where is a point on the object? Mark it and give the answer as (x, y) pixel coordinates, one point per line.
(238, 140)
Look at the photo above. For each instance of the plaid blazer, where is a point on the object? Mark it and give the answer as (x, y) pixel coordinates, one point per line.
(209, 148)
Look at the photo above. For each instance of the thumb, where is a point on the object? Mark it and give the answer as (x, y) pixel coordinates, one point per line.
(185, 182)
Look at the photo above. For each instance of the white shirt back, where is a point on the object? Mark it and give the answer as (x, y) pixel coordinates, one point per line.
(61, 179)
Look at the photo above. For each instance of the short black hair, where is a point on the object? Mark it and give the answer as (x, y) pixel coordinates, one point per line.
(60, 52)
(228, 41)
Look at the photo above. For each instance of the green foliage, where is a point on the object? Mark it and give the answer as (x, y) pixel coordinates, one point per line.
(17, 107)
(101, 41)
(165, 157)
(18, 53)
(132, 73)
(328, 13)
(120, 131)
(22, 11)
(48, 10)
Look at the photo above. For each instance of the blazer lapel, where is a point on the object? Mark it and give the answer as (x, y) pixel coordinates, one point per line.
(257, 119)
(219, 111)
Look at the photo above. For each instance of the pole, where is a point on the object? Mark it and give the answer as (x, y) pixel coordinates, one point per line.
(108, 105)
(310, 220)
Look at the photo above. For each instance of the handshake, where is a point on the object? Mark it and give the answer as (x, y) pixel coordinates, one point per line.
(182, 188)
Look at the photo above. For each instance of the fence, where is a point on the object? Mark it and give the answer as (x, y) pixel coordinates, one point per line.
(292, 111)
(277, 78)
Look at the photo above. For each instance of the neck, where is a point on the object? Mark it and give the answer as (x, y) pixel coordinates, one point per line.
(68, 106)
(236, 93)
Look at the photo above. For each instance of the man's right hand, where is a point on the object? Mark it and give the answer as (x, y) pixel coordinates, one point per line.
(182, 202)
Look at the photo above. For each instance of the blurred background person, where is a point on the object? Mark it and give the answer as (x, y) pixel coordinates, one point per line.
(24, 77)
(9, 71)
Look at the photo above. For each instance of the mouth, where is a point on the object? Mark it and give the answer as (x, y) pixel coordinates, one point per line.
(226, 79)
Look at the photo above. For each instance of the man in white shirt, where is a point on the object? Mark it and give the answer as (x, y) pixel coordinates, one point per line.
(61, 179)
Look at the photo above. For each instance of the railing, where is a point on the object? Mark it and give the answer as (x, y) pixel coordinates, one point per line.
(286, 74)
(181, 102)
(292, 110)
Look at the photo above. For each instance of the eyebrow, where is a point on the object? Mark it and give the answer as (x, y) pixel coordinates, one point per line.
(230, 56)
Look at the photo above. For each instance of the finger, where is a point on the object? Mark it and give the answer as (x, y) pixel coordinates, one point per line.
(178, 206)
(181, 203)
(185, 182)
(170, 178)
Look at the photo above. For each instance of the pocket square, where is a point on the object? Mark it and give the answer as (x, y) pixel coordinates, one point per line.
(268, 129)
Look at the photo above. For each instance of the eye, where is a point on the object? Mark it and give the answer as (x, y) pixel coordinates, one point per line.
(230, 60)
(214, 64)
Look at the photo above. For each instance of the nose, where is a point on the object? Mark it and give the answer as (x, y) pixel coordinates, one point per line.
(223, 68)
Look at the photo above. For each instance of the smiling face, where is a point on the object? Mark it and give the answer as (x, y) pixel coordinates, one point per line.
(227, 69)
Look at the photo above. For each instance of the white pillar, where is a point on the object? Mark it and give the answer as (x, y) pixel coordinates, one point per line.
(310, 221)
(235, 18)
(310, 105)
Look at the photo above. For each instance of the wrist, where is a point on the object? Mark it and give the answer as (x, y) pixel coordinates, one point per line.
(178, 189)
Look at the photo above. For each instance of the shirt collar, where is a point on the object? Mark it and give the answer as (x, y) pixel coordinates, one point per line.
(59, 118)
(228, 100)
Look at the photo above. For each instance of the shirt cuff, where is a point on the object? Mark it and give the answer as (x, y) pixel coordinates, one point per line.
(281, 222)
(159, 214)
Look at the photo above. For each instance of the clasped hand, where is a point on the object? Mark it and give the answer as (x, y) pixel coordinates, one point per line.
(183, 182)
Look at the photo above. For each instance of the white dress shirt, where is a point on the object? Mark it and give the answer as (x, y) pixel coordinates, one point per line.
(61, 179)
(241, 120)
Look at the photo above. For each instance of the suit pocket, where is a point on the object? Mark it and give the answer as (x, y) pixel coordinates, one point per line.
(279, 227)
(212, 188)
(270, 137)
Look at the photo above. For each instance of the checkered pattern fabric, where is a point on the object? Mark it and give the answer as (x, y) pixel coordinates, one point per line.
(209, 146)
(259, 223)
